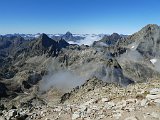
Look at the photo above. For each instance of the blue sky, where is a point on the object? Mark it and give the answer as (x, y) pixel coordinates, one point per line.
(77, 16)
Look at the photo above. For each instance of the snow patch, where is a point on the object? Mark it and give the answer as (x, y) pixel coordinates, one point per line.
(153, 61)
(133, 47)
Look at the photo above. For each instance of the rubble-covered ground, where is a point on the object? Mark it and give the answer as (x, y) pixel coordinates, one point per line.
(140, 101)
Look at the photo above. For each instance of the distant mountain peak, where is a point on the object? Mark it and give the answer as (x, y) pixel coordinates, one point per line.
(68, 33)
(115, 35)
(110, 39)
(68, 36)
(43, 36)
(45, 44)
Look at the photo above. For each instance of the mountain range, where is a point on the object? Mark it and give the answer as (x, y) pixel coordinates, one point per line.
(56, 69)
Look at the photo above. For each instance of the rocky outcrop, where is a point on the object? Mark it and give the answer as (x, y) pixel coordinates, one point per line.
(115, 73)
(108, 40)
(112, 39)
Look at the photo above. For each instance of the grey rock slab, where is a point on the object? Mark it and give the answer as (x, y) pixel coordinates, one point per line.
(131, 118)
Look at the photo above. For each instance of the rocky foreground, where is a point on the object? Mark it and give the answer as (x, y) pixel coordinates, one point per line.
(140, 101)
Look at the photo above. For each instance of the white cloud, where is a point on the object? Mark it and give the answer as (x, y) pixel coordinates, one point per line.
(58, 79)
(88, 40)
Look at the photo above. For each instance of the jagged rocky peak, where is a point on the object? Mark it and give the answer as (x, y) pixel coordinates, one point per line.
(68, 33)
(46, 41)
(146, 31)
(62, 43)
(108, 40)
(44, 44)
(43, 36)
(150, 27)
(115, 36)
(146, 41)
(67, 36)
(149, 40)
